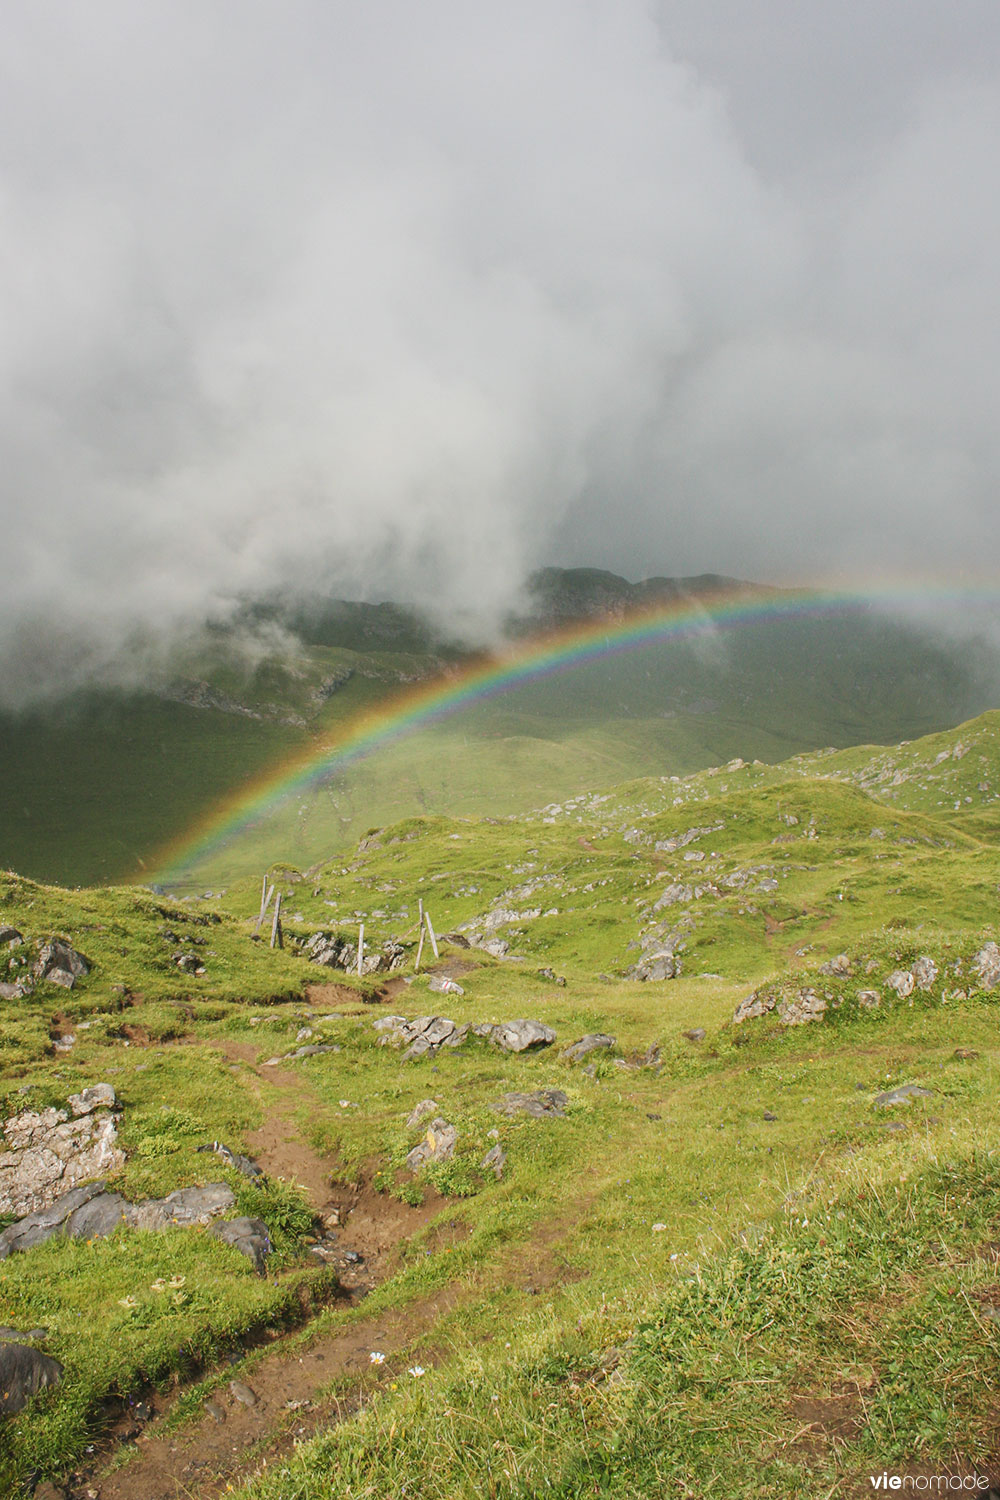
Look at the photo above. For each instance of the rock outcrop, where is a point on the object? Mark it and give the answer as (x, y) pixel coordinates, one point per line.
(47, 1152)
(334, 951)
(24, 1372)
(427, 1034)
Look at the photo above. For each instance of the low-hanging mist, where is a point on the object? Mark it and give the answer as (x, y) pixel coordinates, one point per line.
(399, 303)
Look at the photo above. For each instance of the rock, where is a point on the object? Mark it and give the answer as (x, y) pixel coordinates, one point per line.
(965, 1054)
(755, 1005)
(96, 1219)
(902, 1095)
(769, 1117)
(522, 1036)
(215, 1410)
(98, 1096)
(807, 1006)
(442, 985)
(23, 1372)
(189, 963)
(190, 1205)
(10, 935)
(592, 1042)
(696, 1034)
(247, 1235)
(840, 965)
(421, 1111)
(541, 1103)
(36, 1228)
(60, 964)
(900, 980)
(14, 991)
(869, 999)
(924, 972)
(438, 1145)
(673, 895)
(655, 967)
(494, 1161)
(242, 1164)
(47, 1153)
(242, 1393)
(987, 965)
(15, 1336)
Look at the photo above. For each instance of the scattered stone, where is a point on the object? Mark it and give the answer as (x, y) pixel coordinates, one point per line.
(421, 1111)
(892, 1125)
(987, 965)
(10, 935)
(242, 1393)
(14, 991)
(245, 1165)
(190, 1205)
(659, 1228)
(539, 1105)
(696, 1034)
(869, 999)
(902, 1095)
(655, 967)
(840, 965)
(64, 1043)
(23, 1372)
(754, 1005)
(15, 1336)
(522, 1036)
(60, 964)
(965, 1054)
(592, 1042)
(98, 1096)
(807, 1006)
(442, 985)
(495, 1160)
(437, 1145)
(248, 1236)
(189, 963)
(902, 981)
(769, 1117)
(215, 1410)
(924, 972)
(46, 1152)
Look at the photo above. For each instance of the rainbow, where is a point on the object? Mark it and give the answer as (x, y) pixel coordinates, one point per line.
(428, 703)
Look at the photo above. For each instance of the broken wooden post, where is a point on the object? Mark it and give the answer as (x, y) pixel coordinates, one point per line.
(430, 934)
(265, 903)
(420, 949)
(276, 921)
(361, 947)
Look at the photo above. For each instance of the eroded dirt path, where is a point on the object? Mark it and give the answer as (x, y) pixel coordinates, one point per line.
(279, 1399)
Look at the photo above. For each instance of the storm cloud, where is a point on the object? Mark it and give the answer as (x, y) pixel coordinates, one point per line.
(397, 301)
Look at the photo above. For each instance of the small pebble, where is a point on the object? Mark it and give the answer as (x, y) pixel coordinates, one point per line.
(215, 1411)
(242, 1393)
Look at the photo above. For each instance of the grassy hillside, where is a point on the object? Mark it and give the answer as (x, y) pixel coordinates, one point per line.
(725, 1267)
(96, 789)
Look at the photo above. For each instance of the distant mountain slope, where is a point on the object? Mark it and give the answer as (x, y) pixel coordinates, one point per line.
(92, 790)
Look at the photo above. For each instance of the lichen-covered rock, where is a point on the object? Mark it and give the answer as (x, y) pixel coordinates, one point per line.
(869, 999)
(839, 965)
(806, 1006)
(190, 1205)
(494, 1161)
(902, 1095)
(420, 1112)
(45, 1152)
(655, 967)
(987, 965)
(924, 972)
(437, 1145)
(753, 1006)
(900, 980)
(522, 1036)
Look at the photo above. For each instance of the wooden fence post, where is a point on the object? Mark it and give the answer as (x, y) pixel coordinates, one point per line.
(361, 947)
(430, 934)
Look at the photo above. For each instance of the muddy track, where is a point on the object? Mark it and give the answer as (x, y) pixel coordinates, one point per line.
(286, 1382)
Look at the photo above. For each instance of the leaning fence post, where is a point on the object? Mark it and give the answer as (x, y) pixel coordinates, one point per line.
(420, 949)
(361, 947)
(276, 923)
(430, 934)
(265, 903)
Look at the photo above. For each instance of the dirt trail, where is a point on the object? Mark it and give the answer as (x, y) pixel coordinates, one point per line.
(365, 1248)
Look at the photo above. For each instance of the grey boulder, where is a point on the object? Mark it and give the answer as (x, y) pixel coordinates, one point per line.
(247, 1235)
(539, 1105)
(23, 1372)
(437, 1145)
(60, 964)
(522, 1036)
(592, 1042)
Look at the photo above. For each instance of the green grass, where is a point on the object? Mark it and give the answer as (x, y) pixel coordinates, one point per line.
(811, 1307)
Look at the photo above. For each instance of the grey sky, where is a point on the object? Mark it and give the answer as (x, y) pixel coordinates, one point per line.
(402, 301)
